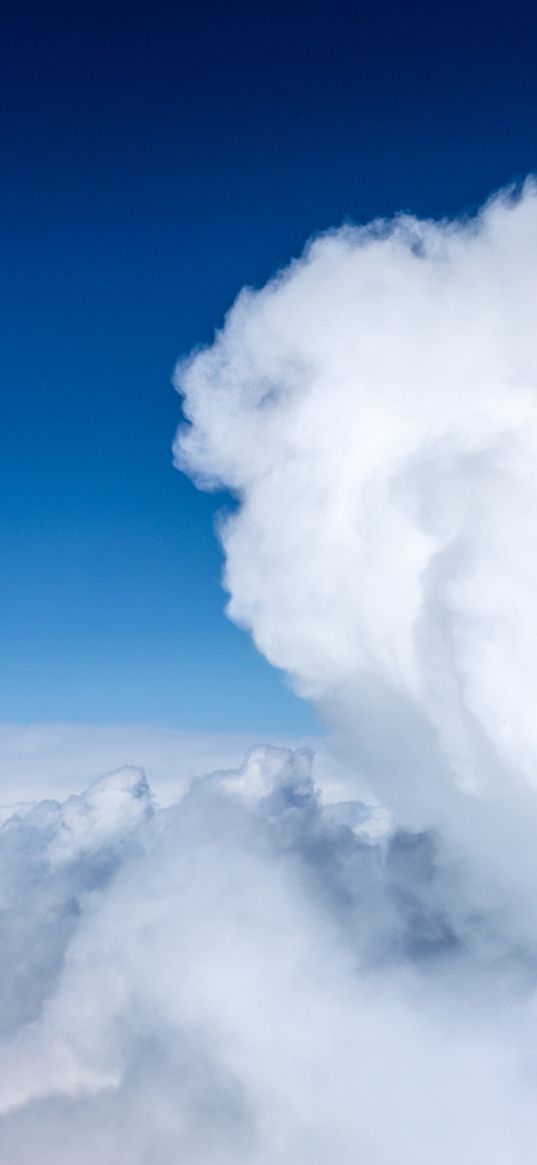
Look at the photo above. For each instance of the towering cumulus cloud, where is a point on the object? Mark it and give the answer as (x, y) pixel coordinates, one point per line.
(374, 410)
(261, 974)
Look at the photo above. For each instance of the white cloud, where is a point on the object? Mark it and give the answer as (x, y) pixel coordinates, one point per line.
(374, 409)
(269, 971)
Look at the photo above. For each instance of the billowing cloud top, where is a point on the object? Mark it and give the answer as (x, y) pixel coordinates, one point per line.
(374, 410)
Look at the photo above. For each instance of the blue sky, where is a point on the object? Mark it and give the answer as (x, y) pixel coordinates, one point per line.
(155, 160)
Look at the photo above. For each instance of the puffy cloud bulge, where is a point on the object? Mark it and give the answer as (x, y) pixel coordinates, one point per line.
(374, 410)
(266, 972)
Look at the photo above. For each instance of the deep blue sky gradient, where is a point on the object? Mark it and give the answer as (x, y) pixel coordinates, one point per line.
(156, 157)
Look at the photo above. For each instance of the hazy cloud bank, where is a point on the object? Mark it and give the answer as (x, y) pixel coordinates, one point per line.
(52, 760)
(251, 976)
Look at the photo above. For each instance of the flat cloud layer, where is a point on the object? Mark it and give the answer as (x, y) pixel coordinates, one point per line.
(259, 973)
(52, 760)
